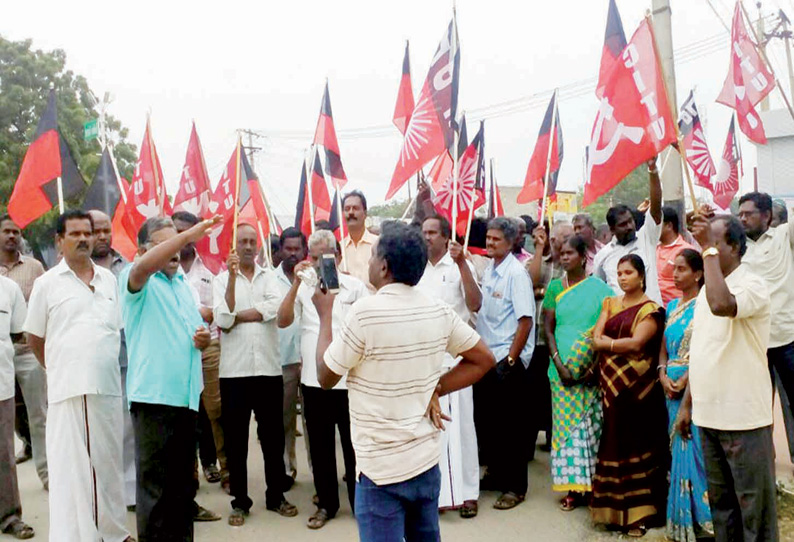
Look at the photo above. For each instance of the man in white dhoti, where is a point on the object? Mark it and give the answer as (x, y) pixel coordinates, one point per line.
(450, 278)
(73, 325)
(12, 316)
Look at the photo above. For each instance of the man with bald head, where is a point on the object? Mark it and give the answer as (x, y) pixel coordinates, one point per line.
(104, 256)
(246, 299)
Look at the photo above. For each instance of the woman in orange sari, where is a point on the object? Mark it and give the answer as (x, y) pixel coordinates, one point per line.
(630, 482)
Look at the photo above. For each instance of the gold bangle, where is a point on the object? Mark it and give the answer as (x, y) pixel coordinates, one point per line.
(612, 345)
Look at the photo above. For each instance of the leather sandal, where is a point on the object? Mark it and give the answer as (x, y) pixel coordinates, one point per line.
(508, 500)
(469, 509)
(19, 530)
(318, 519)
(284, 509)
(237, 517)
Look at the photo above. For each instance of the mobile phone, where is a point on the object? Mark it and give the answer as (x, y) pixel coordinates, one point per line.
(329, 274)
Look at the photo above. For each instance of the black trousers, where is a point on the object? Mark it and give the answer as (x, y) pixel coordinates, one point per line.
(502, 422)
(206, 440)
(165, 451)
(325, 411)
(538, 390)
(740, 470)
(264, 396)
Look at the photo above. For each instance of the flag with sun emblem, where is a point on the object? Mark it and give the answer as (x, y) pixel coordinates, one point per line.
(725, 184)
(697, 152)
(431, 128)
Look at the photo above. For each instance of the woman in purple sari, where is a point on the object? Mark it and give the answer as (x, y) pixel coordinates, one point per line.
(630, 482)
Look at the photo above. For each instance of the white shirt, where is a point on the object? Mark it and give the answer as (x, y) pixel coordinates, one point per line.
(443, 282)
(200, 279)
(771, 257)
(728, 370)
(605, 264)
(351, 290)
(12, 316)
(251, 348)
(80, 329)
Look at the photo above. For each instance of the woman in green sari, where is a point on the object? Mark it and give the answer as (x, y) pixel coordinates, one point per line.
(571, 308)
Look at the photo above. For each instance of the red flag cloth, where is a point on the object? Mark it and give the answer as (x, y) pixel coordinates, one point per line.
(48, 157)
(405, 96)
(725, 184)
(319, 199)
(495, 206)
(634, 121)
(325, 135)
(148, 189)
(214, 248)
(194, 191)
(441, 170)
(470, 192)
(748, 81)
(334, 218)
(431, 128)
(255, 212)
(697, 151)
(125, 234)
(536, 171)
(614, 43)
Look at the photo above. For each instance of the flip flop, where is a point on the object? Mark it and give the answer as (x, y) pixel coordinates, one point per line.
(19, 530)
(237, 517)
(469, 509)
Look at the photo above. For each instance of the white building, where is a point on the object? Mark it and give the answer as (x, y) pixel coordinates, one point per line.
(776, 158)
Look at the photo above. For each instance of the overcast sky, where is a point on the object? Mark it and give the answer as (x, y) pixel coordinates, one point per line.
(262, 65)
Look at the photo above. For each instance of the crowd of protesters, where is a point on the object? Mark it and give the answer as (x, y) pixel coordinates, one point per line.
(645, 352)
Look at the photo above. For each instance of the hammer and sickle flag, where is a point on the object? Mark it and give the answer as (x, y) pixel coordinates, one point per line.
(634, 121)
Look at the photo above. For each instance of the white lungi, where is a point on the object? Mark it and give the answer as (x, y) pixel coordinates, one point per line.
(459, 463)
(84, 437)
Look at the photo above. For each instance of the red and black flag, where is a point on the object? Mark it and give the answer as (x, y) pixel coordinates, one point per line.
(550, 135)
(442, 167)
(495, 206)
(614, 43)
(697, 151)
(334, 218)
(405, 96)
(320, 208)
(325, 135)
(47, 162)
(431, 129)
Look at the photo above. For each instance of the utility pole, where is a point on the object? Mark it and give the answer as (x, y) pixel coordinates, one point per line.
(250, 148)
(672, 176)
(762, 45)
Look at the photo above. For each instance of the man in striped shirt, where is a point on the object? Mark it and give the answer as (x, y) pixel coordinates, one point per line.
(392, 348)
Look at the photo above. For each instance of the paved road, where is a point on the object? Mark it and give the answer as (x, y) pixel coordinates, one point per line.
(536, 519)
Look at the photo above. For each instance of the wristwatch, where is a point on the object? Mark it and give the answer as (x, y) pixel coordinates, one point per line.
(711, 251)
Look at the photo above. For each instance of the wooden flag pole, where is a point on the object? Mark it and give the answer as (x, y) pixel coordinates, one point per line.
(674, 112)
(236, 193)
(271, 223)
(552, 136)
(309, 170)
(455, 182)
(762, 52)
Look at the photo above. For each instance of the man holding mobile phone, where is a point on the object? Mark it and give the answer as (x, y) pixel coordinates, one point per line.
(325, 410)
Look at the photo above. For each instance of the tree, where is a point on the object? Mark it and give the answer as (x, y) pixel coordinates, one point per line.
(392, 209)
(630, 191)
(25, 78)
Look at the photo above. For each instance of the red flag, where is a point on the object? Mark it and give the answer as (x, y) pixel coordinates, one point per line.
(697, 152)
(148, 189)
(48, 158)
(194, 191)
(749, 80)
(725, 184)
(125, 234)
(634, 121)
(214, 248)
(431, 128)
(336, 226)
(405, 96)
(471, 194)
(255, 212)
(325, 135)
(614, 43)
(441, 170)
(550, 134)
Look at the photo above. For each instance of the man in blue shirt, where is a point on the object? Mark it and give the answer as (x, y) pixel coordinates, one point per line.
(165, 334)
(505, 323)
